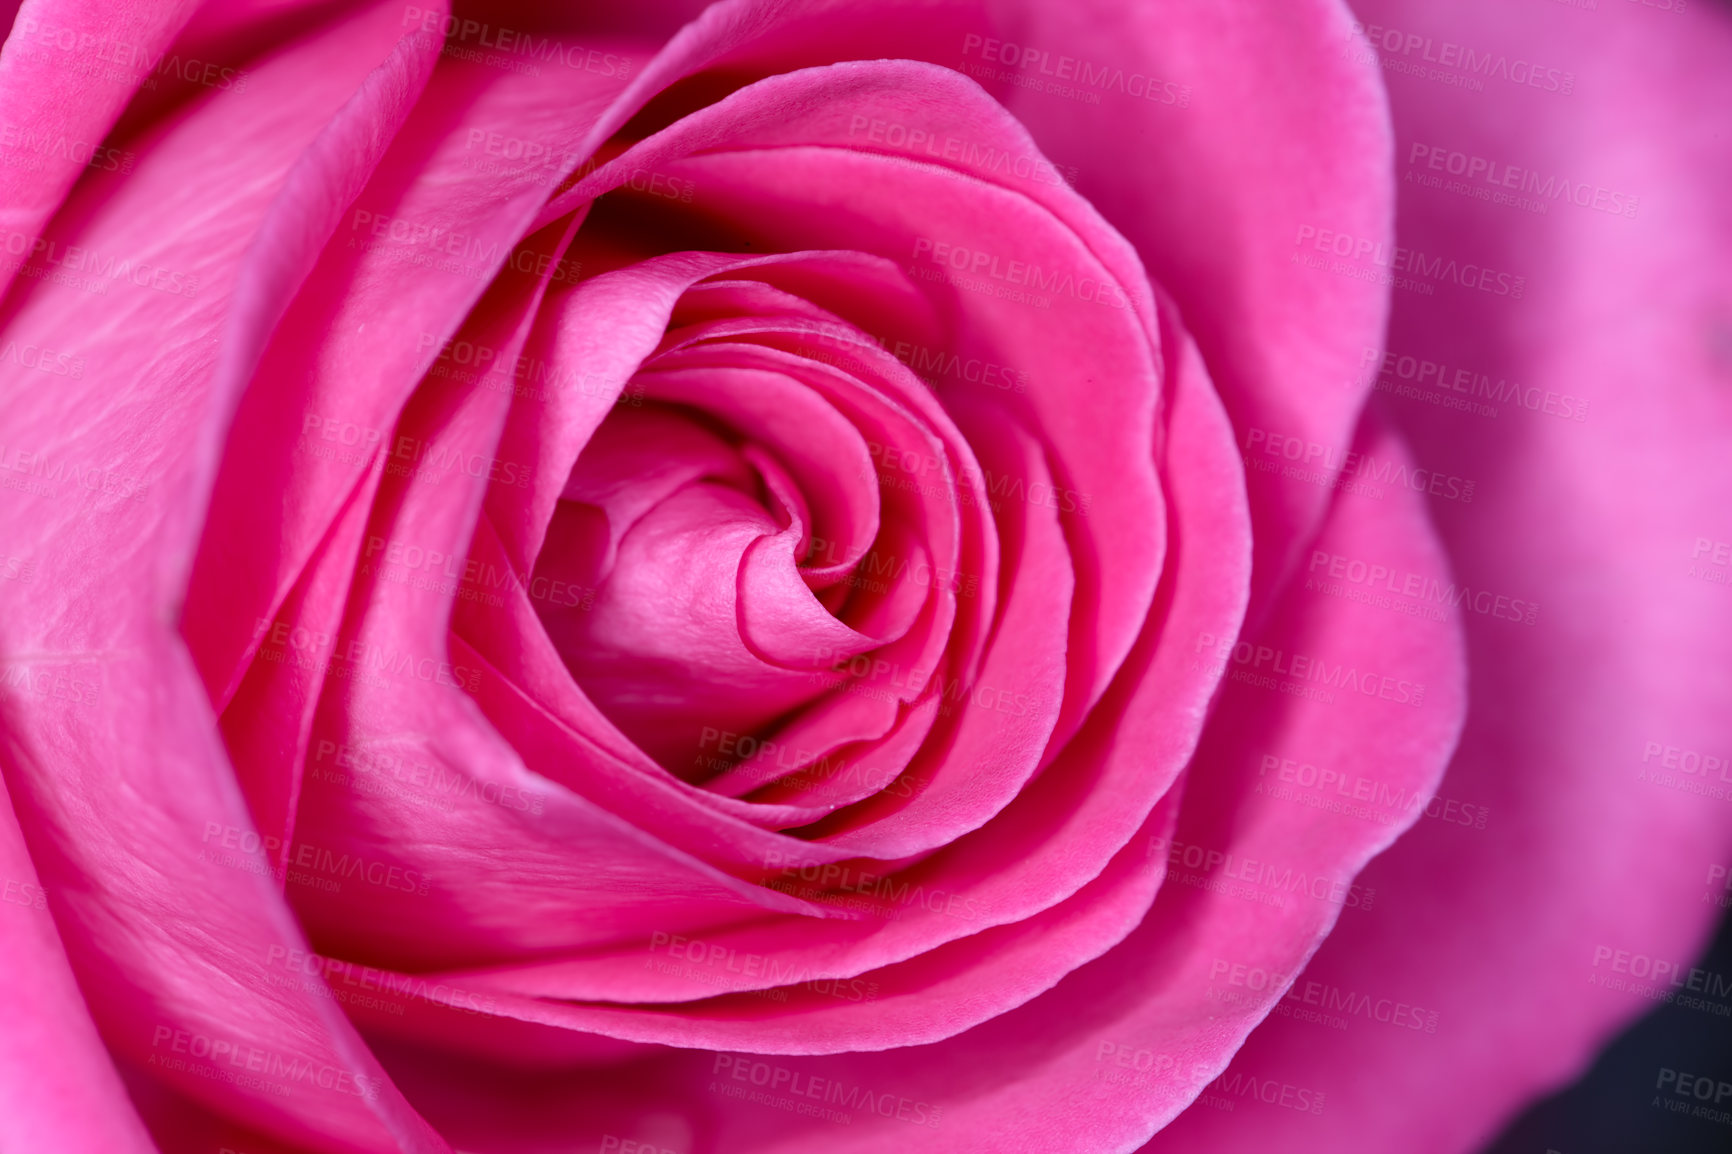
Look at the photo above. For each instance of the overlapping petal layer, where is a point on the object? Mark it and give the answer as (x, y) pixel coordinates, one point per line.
(1570, 825)
(121, 455)
(734, 587)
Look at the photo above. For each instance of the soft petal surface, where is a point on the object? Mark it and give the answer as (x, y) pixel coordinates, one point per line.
(462, 820)
(1588, 828)
(1252, 128)
(58, 1087)
(122, 462)
(56, 117)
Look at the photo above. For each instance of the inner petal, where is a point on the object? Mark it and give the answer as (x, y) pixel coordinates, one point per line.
(670, 583)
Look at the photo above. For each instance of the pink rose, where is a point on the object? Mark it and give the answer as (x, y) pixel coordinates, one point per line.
(851, 576)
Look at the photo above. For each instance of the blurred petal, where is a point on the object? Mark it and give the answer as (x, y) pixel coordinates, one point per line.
(1598, 835)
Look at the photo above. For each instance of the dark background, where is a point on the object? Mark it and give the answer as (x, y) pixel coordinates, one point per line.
(1610, 1109)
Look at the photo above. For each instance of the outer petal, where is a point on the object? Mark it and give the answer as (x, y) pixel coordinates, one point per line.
(1599, 829)
(124, 795)
(282, 537)
(1228, 131)
(58, 1089)
(54, 116)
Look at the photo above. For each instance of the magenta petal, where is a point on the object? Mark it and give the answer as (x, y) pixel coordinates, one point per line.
(1002, 1086)
(48, 99)
(1122, 1045)
(829, 461)
(267, 725)
(776, 162)
(933, 996)
(474, 788)
(360, 335)
(662, 650)
(998, 725)
(1574, 825)
(58, 1087)
(592, 337)
(481, 822)
(859, 770)
(633, 462)
(1263, 126)
(159, 857)
(526, 690)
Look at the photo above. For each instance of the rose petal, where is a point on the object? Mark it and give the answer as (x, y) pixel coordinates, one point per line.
(1255, 124)
(58, 112)
(1591, 841)
(577, 875)
(140, 936)
(772, 151)
(1143, 746)
(58, 1087)
(356, 341)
